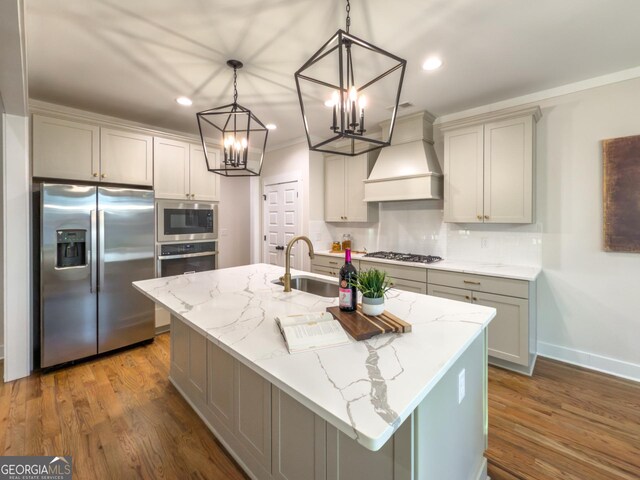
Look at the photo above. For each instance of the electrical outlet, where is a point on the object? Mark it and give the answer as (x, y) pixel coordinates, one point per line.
(484, 242)
(461, 386)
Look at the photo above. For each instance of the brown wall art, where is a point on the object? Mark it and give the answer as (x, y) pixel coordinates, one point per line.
(621, 186)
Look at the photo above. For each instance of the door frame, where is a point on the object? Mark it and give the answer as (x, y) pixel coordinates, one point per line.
(275, 180)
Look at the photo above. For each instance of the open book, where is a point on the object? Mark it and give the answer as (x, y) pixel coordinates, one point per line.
(311, 331)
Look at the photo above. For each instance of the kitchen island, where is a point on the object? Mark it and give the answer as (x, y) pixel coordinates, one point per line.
(409, 406)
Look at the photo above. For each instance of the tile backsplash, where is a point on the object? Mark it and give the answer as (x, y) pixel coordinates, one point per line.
(417, 227)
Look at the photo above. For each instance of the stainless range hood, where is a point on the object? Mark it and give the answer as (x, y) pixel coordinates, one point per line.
(409, 168)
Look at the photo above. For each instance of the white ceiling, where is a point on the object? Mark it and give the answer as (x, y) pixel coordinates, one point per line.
(131, 59)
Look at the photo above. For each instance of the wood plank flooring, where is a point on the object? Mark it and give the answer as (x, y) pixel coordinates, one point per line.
(117, 415)
(121, 418)
(565, 422)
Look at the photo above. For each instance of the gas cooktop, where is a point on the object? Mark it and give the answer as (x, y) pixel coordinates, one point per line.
(404, 257)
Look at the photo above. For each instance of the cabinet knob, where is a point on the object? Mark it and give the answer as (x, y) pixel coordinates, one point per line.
(475, 299)
(95, 174)
(479, 217)
(486, 217)
(467, 297)
(104, 175)
(187, 195)
(193, 195)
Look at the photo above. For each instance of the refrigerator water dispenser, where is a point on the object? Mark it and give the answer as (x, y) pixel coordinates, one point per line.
(71, 248)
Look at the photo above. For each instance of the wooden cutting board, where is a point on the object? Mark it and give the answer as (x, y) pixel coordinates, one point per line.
(362, 327)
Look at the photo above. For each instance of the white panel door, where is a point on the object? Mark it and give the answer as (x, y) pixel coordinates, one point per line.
(508, 171)
(463, 175)
(355, 170)
(334, 185)
(280, 222)
(126, 157)
(65, 150)
(203, 184)
(171, 168)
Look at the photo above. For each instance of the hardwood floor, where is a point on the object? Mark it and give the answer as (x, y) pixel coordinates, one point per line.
(118, 416)
(121, 418)
(564, 422)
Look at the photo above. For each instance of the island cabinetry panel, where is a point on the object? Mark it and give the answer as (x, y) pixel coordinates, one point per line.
(410, 279)
(126, 157)
(221, 390)
(348, 460)
(344, 189)
(299, 440)
(489, 166)
(67, 149)
(512, 333)
(189, 361)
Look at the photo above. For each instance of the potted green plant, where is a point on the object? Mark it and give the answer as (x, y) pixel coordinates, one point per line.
(373, 284)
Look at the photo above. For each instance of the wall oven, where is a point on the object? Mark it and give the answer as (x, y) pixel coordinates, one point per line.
(187, 221)
(181, 258)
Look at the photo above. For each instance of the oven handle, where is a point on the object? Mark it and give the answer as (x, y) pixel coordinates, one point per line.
(187, 255)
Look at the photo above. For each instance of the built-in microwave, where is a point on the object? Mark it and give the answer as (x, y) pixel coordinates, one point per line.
(187, 221)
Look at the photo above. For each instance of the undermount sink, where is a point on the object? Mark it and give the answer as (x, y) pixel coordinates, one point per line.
(322, 288)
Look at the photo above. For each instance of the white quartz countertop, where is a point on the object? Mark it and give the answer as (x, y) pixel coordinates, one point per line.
(517, 272)
(365, 389)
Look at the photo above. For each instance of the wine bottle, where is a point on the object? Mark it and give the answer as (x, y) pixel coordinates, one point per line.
(348, 296)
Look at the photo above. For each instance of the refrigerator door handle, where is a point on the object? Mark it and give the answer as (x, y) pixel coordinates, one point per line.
(93, 254)
(101, 247)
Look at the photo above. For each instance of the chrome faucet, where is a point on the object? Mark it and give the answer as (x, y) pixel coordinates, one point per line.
(286, 279)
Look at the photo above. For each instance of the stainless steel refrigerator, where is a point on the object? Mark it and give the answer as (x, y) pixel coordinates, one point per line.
(93, 242)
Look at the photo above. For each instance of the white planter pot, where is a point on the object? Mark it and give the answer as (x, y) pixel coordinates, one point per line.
(372, 306)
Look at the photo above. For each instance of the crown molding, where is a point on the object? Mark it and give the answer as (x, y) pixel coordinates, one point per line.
(493, 116)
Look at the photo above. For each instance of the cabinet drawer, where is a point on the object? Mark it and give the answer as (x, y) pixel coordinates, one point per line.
(409, 285)
(331, 272)
(480, 283)
(334, 262)
(416, 274)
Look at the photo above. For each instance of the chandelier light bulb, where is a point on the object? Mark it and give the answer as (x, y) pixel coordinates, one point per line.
(353, 94)
(362, 101)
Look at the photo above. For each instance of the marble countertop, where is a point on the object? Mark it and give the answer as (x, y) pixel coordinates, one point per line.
(517, 272)
(365, 389)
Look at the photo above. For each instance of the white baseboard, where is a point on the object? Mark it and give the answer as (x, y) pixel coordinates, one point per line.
(592, 361)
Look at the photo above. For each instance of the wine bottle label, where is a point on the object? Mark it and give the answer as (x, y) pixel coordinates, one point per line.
(345, 297)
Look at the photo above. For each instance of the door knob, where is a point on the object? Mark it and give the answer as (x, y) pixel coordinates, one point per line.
(279, 247)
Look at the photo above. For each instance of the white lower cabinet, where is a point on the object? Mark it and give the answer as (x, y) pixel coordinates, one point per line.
(512, 333)
(299, 440)
(272, 435)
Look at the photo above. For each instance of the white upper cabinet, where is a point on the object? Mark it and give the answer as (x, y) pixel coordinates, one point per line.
(489, 164)
(126, 157)
(344, 189)
(204, 185)
(171, 168)
(180, 171)
(65, 149)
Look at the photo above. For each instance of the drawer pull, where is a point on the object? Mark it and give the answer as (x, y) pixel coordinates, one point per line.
(333, 263)
(470, 282)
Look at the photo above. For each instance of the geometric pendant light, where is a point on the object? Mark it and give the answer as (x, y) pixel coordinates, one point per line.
(243, 135)
(342, 87)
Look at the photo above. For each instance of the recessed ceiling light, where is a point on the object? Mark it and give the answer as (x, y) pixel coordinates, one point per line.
(271, 126)
(184, 101)
(432, 63)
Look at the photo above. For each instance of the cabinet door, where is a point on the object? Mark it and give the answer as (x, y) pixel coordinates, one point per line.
(179, 352)
(451, 293)
(463, 175)
(221, 376)
(508, 171)
(355, 168)
(253, 415)
(170, 169)
(409, 285)
(299, 440)
(64, 149)
(509, 331)
(126, 157)
(203, 184)
(334, 186)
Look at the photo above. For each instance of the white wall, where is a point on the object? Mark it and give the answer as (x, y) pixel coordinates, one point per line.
(1, 232)
(234, 223)
(16, 245)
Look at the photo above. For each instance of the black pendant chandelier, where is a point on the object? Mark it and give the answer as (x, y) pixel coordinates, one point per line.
(244, 136)
(342, 87)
